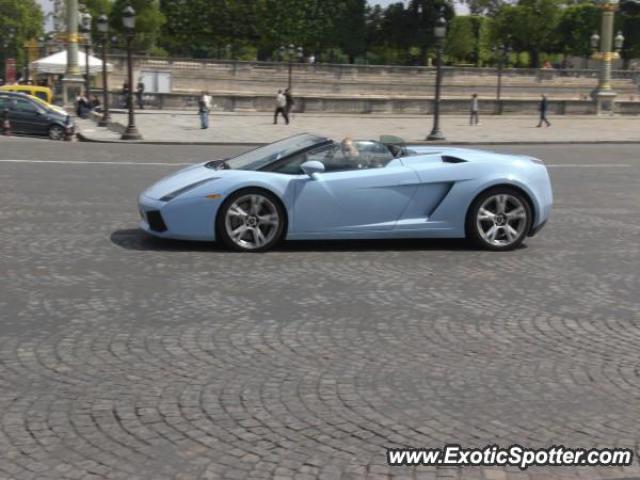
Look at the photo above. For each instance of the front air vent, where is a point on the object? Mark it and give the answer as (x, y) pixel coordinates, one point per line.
(156, 223)
(450, 159)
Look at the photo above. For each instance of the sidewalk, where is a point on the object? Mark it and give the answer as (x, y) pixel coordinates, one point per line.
(178, 127)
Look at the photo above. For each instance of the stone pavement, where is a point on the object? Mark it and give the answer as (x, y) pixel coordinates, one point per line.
(126, 357)
(238, 128)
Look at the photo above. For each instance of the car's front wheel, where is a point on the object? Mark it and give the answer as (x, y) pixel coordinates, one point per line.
(499, 219)
(56, 132)
(251, 220)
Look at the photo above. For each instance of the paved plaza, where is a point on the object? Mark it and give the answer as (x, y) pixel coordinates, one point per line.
(127, 357)
(184, 127)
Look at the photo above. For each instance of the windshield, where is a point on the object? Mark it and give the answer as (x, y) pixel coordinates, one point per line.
(263, 156)
(40, 102)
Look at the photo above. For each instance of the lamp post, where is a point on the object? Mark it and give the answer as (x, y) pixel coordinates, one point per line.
(129, 22)
(102, 25)
(439, 31)
(292, 51)
(85, 27)
(502, 52)
(72, 83)
(604, 94)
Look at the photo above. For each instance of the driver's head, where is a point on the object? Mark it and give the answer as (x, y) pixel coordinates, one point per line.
(349, 147)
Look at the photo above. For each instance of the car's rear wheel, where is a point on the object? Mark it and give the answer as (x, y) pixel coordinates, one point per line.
(251, 220)
(499, 219)
(56, 132)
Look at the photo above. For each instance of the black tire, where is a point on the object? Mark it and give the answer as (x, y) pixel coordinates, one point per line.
(516, 216)
(275, 233)
(56, 132)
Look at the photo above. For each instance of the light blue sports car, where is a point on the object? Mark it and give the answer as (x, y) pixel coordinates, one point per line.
(311, 187)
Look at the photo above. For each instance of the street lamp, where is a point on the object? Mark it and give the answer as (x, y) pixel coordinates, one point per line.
(102, 25)
(292, 51)
(604, 94)
(502, 52)
(439, 31)
(85, 27)
(129, 23)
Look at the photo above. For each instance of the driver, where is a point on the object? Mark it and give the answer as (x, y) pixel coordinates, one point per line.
(350, 151)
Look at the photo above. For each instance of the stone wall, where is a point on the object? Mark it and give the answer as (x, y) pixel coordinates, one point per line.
(251, 86)
(388, 106)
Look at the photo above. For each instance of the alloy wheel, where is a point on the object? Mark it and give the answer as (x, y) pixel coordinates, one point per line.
(252, 221)
(501, 219)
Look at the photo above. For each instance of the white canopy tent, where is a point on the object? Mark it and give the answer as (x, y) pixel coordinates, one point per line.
(56, 64)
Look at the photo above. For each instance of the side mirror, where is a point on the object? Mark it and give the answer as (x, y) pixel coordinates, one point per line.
(311, 167)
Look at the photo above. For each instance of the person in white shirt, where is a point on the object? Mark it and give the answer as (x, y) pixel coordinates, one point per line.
(474, 118)
(281, 108)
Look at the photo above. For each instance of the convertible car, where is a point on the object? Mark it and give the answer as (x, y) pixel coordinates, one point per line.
(311, 187)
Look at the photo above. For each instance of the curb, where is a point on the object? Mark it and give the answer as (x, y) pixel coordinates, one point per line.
(84, 138)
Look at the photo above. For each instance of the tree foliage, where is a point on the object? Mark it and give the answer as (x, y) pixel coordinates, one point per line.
(529, 25)
(361, 31)
(461, 39)
(576, 24)
(20, 20)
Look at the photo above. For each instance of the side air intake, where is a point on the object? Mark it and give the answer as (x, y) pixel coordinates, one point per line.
(450, 159)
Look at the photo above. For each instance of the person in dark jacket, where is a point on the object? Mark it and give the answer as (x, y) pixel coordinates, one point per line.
(543, 111)
(140, 94)
(289, 101)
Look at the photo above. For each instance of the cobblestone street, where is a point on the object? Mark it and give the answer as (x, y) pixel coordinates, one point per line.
(128, 357)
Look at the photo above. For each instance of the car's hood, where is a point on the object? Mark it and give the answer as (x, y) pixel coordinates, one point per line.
(188, 176)
(181, 179)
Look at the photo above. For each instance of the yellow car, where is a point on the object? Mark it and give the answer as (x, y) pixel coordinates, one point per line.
(49, 106)
(43, 93)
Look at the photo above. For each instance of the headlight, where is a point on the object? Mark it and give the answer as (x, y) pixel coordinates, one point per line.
(182, 190)
(536, 160)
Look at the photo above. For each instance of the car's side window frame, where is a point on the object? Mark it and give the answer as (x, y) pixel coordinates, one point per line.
(272, 167)
(34, 108)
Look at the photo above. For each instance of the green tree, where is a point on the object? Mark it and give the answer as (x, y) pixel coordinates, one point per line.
(351, 28)
(307, 23)
(629, 23)
(461, 40)
(24, 20)
(204, 28)
(484, 7)
(530, 26)
(577, 24)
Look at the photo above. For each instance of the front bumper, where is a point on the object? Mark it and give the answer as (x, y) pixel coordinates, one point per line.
(179, 219)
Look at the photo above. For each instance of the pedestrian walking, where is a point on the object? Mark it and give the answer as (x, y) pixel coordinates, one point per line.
(203, 110)
(281, 108)
(140, 94)
(124, 96)
(474, 117)
(543, 111)
(289, 102)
